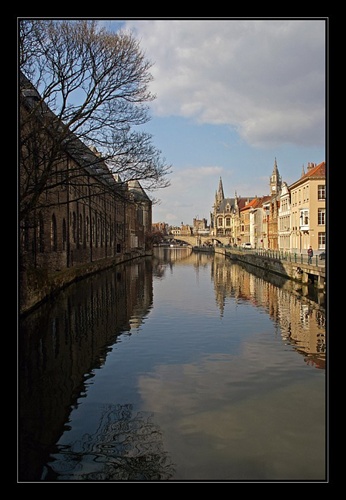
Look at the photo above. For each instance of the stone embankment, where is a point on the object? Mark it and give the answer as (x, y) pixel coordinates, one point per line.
(300, 272)
(37, 285)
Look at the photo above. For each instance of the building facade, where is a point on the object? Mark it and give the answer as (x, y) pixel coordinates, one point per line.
(225, 217)
(73, 210)
(289, 219)
(308, 209)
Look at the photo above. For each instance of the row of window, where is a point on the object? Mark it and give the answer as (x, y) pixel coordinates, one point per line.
(303, 219)
(302, 196)
(101, 232)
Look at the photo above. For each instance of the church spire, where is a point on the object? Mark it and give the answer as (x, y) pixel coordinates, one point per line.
(220, 193)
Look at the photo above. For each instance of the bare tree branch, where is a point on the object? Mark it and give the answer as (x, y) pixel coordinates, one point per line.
(92, 86)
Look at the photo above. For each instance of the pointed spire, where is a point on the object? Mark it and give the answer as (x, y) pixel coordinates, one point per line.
(303, 171)
(221, 193)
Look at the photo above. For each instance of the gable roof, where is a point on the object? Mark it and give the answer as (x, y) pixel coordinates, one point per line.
(138, 192)
(245, 202)
(253, 203)
(316, 172)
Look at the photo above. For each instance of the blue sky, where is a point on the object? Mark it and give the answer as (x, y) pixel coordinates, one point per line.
(231, 96)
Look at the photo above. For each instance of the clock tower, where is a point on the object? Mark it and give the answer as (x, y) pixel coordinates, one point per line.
(275, 180)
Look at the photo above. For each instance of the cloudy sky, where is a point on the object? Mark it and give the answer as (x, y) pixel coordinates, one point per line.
(232, 95)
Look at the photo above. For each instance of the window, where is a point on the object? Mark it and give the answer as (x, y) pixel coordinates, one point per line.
(25, 235)
(53, 234)
(304, 219)
(220, 222)
(322, 241)
(74, 227)
(321, 192)
(97, 235)
(64, 234)
(228, 221)
(80, 228)
(321, 216)
(93, 231)
(87, 229)
(40, 235)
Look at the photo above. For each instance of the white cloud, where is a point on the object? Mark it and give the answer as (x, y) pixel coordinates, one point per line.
(266, 79)
(191, 192)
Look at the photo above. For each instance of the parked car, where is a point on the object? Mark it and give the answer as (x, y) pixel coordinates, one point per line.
(322, 256)
(247, 245)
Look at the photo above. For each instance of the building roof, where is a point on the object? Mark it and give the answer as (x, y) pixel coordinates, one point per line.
(223, 204)
(138, 192)
(317, 171)
(253, 203)
(314, 172)
(69, 142)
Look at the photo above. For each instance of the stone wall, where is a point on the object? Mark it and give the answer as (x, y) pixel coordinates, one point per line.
(37, 284)
(301, 273)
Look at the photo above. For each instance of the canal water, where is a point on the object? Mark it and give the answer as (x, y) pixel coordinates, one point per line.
(181, 367)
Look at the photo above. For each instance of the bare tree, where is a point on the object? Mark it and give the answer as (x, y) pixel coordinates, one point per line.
(92, 91)
(125, 447)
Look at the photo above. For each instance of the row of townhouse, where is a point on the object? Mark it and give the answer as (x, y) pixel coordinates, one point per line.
(290, 219)
(73, 209)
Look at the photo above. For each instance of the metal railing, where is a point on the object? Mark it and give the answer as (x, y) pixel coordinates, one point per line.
(297, 258)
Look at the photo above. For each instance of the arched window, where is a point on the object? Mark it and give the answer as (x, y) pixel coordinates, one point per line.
(25, 235)
(80, 229)
(93, 229)
(102, 231)
(87, 230)
(97, 231)
(53, 234)
(64, 234)
(40, 234)
(74, 227)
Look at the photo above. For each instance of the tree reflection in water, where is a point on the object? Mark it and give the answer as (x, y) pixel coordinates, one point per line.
(124, 448)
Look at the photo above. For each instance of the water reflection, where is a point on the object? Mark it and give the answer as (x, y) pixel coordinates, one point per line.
(87, 413)
(63, 343)
(298, 312)
(125, 447)
(301, 320)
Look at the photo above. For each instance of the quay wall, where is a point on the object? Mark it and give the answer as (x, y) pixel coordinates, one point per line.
(40, 285)
(301, 273)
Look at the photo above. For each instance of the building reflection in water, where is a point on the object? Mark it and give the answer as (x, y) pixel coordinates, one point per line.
(63, 342)
(298, 312)
(300, 319)
(66, 340)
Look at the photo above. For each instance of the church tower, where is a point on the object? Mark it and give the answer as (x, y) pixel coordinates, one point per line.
(219, 196)
(275, 180)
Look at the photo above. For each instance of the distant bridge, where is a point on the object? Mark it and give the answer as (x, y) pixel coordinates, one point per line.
(199, 240)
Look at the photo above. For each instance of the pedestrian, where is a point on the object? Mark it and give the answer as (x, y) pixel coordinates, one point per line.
(310, 255)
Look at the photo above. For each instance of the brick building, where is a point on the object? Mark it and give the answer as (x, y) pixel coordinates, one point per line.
(73, 210)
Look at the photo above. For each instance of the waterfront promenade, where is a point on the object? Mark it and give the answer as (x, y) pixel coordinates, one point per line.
(294, 266)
